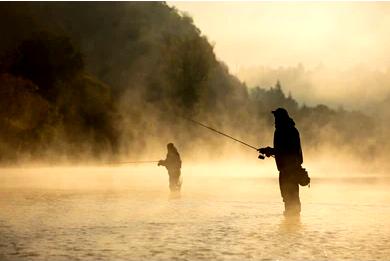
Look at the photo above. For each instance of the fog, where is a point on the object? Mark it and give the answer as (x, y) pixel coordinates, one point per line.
(224, 212)
(337, 34)
(89, 89)
(357, 88)
(82, 90)
(331, 53)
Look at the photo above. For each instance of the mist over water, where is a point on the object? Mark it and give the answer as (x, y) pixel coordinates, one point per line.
(85, 88)
(127, 213)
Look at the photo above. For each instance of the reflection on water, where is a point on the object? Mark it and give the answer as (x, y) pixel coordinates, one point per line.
(174, 195)
(123, 214)
(290, 224)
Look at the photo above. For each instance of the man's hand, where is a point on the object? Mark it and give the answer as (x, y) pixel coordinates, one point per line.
(267, 151)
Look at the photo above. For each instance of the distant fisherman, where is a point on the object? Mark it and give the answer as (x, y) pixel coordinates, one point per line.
(288, 156)
(173, 165)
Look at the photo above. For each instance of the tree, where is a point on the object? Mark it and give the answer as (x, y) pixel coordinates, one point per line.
(47, 59)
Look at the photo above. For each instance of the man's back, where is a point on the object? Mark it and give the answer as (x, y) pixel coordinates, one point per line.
(173, 160)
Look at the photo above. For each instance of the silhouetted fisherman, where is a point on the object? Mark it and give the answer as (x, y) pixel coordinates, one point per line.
(288, 156)
(173, 165)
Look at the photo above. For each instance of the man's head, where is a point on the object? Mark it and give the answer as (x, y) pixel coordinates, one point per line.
(280, 113)
(171, 148)
(282, 119)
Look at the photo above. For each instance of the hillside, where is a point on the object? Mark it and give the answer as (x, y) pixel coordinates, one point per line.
(97, 80)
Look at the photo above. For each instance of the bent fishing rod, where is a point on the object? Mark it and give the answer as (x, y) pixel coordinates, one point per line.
(224, 134)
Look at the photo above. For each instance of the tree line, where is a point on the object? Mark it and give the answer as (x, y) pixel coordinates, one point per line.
(98, 80)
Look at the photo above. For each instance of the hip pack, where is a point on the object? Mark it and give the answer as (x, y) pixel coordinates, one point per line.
(302, 176)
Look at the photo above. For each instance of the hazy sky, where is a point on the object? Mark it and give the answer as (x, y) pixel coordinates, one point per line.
(338, 35)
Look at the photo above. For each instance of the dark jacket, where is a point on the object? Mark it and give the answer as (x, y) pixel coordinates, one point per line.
(287, 145)
(173, 161)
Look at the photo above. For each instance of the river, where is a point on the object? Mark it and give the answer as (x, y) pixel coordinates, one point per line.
(127, 213)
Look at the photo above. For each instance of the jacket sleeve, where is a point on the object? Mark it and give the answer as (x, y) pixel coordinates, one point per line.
(162, 163)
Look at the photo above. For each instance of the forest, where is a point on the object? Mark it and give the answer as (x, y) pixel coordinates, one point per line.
(102, 80)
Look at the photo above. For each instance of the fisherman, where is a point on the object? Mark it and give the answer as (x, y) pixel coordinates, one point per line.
(288, 156)
(173, 165)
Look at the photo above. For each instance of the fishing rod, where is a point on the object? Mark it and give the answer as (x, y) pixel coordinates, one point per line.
(134, 162)
(224, 134)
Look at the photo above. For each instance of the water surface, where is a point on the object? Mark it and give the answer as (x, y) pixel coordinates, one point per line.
(128, 214)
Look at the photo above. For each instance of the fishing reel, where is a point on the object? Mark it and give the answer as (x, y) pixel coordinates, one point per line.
(265, 152)
(261, 155)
